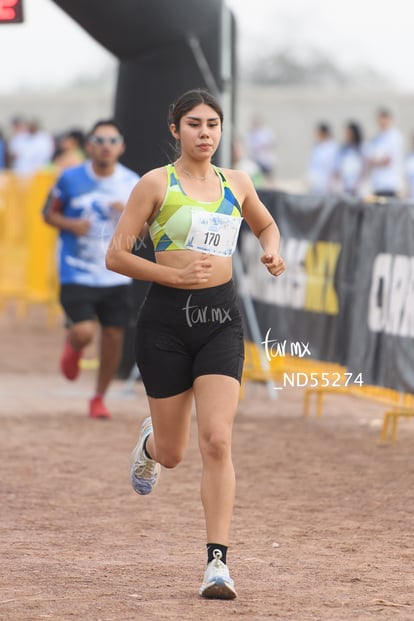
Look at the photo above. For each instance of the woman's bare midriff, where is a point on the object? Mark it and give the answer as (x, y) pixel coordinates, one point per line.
(221, 266)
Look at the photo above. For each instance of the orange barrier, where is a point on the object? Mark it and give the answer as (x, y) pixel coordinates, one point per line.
(393, 416)
(401, 404)
(28, 276)
(27, 245)
(287, 370)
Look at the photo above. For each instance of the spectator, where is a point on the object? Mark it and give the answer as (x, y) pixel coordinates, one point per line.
(349, 167)
(85, 206)
(242, 162)
(261, 148)
(322, 161)
(39, 148)
(409, 171)
(384, 157)
(70, 150)
(17, 144)
(2, 151)
(30, 147)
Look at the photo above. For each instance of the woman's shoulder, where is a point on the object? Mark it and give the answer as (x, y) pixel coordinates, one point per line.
(154, 176)
(235, 176)
(151, 185)
(238, 180)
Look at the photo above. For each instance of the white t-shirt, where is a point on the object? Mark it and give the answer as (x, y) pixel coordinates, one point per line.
(17, 148)
(322, 165)
(386, 144)
(31, 151)
(349, 168)
(409, 174)
(261, 146)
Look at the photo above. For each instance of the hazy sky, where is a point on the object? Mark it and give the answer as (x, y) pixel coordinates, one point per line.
(50, 50)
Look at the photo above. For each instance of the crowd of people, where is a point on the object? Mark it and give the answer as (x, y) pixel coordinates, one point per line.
(357, 166)
(27, 147)
(354, 165)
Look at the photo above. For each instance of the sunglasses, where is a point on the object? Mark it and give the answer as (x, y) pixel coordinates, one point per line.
(100, 140)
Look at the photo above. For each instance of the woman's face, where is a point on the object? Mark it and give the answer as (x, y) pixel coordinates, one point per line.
(199, 132)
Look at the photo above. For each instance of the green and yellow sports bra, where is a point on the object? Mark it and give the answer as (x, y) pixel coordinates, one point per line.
(185, 223)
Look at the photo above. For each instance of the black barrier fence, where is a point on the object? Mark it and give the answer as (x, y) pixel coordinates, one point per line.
(348, 293)
(347, 296)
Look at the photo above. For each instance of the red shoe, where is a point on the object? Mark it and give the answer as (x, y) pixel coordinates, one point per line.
(69, 362)
(97, 408)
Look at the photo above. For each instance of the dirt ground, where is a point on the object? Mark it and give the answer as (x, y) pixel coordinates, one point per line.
(323, 521)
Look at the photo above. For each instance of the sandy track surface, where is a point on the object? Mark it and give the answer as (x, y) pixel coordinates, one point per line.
(323, 523)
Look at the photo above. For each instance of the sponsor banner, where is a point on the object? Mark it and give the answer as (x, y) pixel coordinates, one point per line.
(310, 301)
(382, 328)
(348, 292)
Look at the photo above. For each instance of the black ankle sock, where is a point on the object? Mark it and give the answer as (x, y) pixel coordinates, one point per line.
(216, 546)
(145, 449)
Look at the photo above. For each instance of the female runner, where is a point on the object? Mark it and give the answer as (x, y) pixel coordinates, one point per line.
(189, 340)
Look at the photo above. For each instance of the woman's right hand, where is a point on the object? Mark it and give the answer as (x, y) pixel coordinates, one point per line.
(197, 272)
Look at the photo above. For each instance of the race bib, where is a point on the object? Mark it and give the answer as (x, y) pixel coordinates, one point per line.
(214, 233)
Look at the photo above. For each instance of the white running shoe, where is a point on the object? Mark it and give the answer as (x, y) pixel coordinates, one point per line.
(217, 583)
(144, 472)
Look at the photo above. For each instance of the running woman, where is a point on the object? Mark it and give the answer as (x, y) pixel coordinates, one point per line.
(189, 338)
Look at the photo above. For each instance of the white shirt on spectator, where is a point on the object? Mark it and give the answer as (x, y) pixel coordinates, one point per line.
(349, 169)
(17, 148)
(322, 166)
(39, 151)
(386, 144)
(409, 174)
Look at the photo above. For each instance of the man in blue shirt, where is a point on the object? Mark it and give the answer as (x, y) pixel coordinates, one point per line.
(85, 205)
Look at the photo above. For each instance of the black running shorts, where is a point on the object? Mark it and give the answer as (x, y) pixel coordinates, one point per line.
(184, 333)
(111, 305)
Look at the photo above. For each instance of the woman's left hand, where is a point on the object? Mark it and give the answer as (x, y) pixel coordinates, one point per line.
(274, 264)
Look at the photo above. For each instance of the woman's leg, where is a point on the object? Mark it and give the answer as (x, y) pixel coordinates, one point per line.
(217, 398)
(162, 441)
(171, 418)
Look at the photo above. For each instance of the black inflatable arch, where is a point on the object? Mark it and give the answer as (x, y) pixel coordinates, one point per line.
(164, 49)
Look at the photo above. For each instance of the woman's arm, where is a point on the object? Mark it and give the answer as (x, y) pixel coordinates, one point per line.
(269, 239)
(260, 222)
